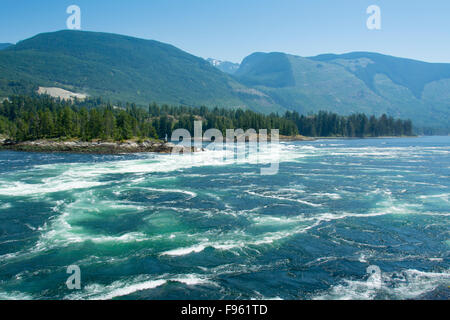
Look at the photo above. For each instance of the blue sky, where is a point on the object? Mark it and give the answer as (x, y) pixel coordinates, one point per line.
(232, 29)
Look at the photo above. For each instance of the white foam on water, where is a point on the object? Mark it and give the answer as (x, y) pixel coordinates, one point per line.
(408, 284)
(285, 198)
(277, 220)
(239, 240)
(168, 163)
(61, 232)
(321, 260)
(126, 287)
(288, 227)
(392, 205)
(74, 176)
(189, 193)
(114, 290)
(47, 186)
(193, 280)
(409, 154)
(30, 226)
(333, 196)
(185, 251)
(239, 269)
(396, 207)
(5, 206)
(294, 190)
(443, 196)
(437, 214)
(15, 295)
(436, 259)
(63, 237)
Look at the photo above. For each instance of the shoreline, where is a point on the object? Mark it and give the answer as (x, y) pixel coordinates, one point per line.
(363, 138)
(133, 146)
(108, 147)
(95, 147)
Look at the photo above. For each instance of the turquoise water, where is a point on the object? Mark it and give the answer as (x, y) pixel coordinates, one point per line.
(194, 227)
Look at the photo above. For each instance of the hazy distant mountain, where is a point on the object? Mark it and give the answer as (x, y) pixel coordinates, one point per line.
(5, 45)
(355, 82)
(412, 74)
(224, 66)
(117, 67)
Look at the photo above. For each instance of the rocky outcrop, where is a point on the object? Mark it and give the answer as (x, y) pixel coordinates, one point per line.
(98, 147)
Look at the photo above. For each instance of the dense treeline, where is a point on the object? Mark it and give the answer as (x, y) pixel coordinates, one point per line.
(327, 124)
(30, 118)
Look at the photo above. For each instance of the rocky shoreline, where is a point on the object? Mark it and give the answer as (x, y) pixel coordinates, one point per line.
(97, 147)
(109, 147)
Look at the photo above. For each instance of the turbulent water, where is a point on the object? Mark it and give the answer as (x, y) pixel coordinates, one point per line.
(153, 226)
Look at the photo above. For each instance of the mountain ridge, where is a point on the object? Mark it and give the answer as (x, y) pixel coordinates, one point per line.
(355, 82)
(120, 67)
(384, 64)
(116, 67)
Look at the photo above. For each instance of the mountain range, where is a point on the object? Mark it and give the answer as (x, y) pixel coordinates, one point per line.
(123, 68)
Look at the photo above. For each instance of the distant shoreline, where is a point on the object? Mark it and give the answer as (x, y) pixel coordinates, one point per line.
(133, 146)
(363, 138)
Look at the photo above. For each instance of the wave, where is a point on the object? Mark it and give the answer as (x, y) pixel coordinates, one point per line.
(17, 189)
(185, 251)
(265, 195)
(15, 295)
(408, 284)
(5, 206)
(333, 196)
(171, 231)
(290, 226)
(127, 287)
(443, 196)
(189, 193)
(73, 176)
(240, 240)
